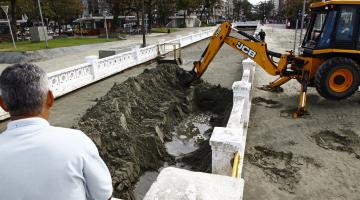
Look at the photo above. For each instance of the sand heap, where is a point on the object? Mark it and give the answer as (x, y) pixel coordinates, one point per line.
(131, 123)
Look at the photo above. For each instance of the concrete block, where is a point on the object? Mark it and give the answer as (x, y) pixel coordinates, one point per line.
(250, 65)
(237, 112)
(246, 76)
(225, 142)
(180, 184)
(242, 89)
(107, 53)
(37, 33)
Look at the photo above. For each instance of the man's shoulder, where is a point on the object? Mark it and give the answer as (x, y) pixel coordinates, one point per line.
(69, 134)
(71, 138)
(66, 131)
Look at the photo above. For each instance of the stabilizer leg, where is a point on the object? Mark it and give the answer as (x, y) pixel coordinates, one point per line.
(279, 82)
(303, 96)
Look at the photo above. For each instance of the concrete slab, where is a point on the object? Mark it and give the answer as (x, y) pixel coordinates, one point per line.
(180, 184)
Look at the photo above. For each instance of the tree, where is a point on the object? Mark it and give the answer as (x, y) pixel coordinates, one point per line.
(264, 10)
(12, 13)
(64, 11)
(187, 6)
(242, 9)
(292, 7)
(164, 9)
(61, 11)
(208, 6)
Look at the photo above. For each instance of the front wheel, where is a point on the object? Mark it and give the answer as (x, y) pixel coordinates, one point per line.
(337, 78)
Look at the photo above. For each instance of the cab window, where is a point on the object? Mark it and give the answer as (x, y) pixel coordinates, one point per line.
(325, 37)
(345, 27)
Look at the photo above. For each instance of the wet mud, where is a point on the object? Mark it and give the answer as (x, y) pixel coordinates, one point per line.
(268, 89)
(282, 168)
(343, 141)
(266, 102)
(289, 113)
(134, 122)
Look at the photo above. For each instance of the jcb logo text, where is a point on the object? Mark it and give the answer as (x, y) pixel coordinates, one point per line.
(251, 53)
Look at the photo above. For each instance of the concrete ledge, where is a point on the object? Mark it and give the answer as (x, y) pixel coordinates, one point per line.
(180, 184)
(225, 142)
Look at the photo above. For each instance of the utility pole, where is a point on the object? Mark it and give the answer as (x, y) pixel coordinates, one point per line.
(106, 28)
(143, 22)
(6, 9)
(302, 20)
(296, 28)
(43, 25)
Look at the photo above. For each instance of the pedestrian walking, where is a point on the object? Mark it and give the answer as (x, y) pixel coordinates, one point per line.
(262, 35)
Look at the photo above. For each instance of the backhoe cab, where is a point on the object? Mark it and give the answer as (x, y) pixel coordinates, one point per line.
(329, 58)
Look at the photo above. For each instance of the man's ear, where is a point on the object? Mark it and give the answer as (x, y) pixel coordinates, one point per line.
(50, 99)
(3, 105)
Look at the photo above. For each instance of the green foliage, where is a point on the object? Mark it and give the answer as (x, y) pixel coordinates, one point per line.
(209, 6)
(264, 9)
(188, 5)
(242, 9)
(164, 8)
(58, 10)
(292, 7)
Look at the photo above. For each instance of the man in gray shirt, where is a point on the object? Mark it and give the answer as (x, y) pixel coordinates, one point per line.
(39, 161)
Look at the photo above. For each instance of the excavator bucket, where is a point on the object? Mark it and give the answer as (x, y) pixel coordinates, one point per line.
(186, 77)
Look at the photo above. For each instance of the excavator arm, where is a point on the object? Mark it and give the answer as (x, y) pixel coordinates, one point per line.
(250, 47)
(256, 50)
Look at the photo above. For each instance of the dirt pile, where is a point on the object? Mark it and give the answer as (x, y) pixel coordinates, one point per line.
(132, 122)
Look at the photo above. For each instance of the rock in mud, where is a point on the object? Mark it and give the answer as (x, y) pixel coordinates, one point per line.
(131, 123)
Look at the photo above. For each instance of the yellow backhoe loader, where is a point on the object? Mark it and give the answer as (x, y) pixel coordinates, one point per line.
(329, 56)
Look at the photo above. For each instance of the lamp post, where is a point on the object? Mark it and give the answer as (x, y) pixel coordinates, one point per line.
(106, 29)
(143, 22)
(6, 9)
(42, 22)
(302, 20)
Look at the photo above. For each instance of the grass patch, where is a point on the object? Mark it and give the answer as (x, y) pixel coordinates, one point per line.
(163, 30)
(55, 43)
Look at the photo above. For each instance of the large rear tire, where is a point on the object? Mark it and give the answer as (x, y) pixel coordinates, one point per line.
(337, 78)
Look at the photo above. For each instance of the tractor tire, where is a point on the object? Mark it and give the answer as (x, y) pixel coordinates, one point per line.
(337, 78)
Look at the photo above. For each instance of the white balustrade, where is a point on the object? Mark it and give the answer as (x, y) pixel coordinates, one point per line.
(227, 141)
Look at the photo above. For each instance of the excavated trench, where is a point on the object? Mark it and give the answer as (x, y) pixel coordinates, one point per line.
(151, 121)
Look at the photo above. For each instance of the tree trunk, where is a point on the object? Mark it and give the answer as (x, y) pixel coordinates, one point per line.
(116, 13)
(137, 19)
(184, 24)
(150, 16)
(202, 12)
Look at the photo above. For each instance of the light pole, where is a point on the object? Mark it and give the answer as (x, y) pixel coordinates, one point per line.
(6, 9)
(106, 29)
(302, 20)
(143, 22)
(42, 22)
